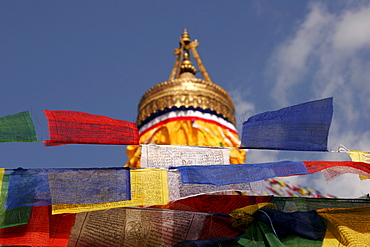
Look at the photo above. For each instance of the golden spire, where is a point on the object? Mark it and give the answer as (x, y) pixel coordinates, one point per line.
(184, 90)
(186, 45)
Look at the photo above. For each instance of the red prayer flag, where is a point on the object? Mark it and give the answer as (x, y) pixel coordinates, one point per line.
(216, 226)
(71, 127)
(316, 166)
(43, 229)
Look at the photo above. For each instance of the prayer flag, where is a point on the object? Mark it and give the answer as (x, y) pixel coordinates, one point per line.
(177, 189)
(39, 187)
(216, 226)
(346, 226)
(335, 171)
(11, 217)
(135, 227)
(160, 156)
(71, 127)
(17, 128)
(358, 156)
(315, 166)
(303, 127)
(232, 174)
(43, 229)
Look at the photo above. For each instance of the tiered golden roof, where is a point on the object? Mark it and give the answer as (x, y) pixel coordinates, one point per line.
(184, 90)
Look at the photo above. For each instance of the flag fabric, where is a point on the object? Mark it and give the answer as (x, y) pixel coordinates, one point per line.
(39, 187)
(346, 226)
(71, 127)
(358, 156)
(216, 225)
(335, 171)
(291, 204)
(148, 187)
(11, 217)
(189, 132)
(177, 189)
(304, 224)
(161, 156)
(260, 234)
(303, 127)
(17, 128)
(316, 166)
(90, 185)
(43, 229)
(135, 227)
(232, 174)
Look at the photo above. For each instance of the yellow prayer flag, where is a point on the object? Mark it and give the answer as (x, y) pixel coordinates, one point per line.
(346, 226)
(148, 187)
(358, 156)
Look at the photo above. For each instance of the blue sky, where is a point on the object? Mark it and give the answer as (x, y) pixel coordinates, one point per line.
(101, 56)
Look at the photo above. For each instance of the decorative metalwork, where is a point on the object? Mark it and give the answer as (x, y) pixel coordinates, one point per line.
(184, 90)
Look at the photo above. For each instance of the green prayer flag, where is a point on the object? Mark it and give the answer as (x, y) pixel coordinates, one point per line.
(259, 234)
(12, 217)
(17, 128)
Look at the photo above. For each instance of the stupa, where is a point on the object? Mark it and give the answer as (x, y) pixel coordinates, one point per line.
(186, 110)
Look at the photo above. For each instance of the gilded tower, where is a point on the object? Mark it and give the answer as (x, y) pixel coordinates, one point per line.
(186, 110)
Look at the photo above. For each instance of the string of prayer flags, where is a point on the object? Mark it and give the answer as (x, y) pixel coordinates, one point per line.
(38, 187)
(279, 187)
(148, 187)
(43, 229)
(17, 128)
(71, 127)
(160, 156)
(232, 174)
(303, 127)
(12, 217)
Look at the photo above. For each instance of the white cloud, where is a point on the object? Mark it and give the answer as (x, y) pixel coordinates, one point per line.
(332, 50)
(352, 31)
(328, 55)
(291, 58)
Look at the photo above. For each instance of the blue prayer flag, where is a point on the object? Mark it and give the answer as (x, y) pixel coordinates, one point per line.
(303, 127)
(40, 187)
(235, 174)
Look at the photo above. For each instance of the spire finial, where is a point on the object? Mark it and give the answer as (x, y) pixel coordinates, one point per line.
(185, 38)
(186, 46)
